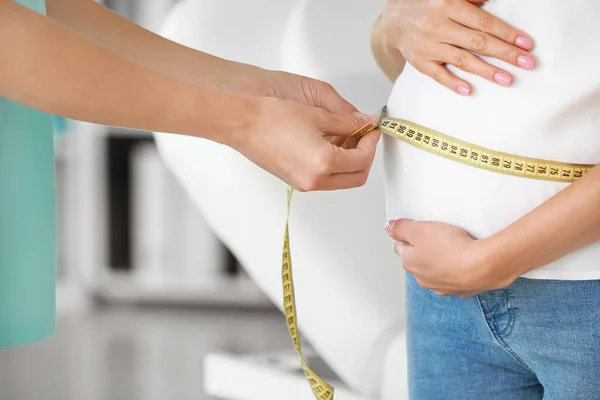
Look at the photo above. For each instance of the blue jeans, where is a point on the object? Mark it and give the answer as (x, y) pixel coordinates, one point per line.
(534, 339)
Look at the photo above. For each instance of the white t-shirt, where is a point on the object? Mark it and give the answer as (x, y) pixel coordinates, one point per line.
(551, 113)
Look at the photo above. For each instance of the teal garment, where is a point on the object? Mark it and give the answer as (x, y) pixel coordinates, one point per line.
(27, 221)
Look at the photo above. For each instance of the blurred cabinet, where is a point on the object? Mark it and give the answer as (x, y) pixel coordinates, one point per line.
(129, 233)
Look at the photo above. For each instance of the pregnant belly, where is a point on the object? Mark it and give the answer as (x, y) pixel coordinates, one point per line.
(423, 186)
(541, 118)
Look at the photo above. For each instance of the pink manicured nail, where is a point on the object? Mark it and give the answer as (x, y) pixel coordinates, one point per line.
(464, 89)
(526, 62)
(502, 78)
(524, 42)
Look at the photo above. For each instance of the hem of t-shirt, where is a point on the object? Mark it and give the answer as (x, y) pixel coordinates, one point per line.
(12, 336)
(563, 275)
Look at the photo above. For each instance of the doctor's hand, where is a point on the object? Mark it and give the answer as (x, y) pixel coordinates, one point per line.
(308, 147)
(308, 91)
(431, 34)
(446, 259)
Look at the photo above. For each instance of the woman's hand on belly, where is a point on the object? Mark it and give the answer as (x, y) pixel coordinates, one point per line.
(433, 33)
(446, 259)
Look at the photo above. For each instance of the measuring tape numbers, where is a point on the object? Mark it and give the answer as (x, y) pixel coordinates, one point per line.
(480, 157)
(442, 145)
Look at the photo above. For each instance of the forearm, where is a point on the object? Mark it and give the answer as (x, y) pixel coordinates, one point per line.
(565, 223)
(55, 70)
(98, 23)
(390, 61)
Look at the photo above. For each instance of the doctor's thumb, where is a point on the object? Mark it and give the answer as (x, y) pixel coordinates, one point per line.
(347, 125)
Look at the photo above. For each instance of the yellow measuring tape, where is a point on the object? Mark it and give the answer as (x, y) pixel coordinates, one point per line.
(444, 146)
(480, 157)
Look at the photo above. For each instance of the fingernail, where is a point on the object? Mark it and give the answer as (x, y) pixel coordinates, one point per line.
(526, 62)
(524, 42)
(388, 227)
(366, 117)
(464, 89)
(373, 119)
(502, 78)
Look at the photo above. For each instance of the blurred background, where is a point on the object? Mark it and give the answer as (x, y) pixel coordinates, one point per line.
(151, 304)
(145, 290)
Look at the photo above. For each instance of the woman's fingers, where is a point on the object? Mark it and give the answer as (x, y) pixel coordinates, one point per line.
(444, 77)
(423, 30)
(468, 62)
(473, 17)
(488, 45)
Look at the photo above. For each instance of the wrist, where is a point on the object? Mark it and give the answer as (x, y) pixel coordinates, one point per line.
(389, 59)
(222, 117)
(498, 260)
(247, 79)
(239, 120)
(226, 76)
